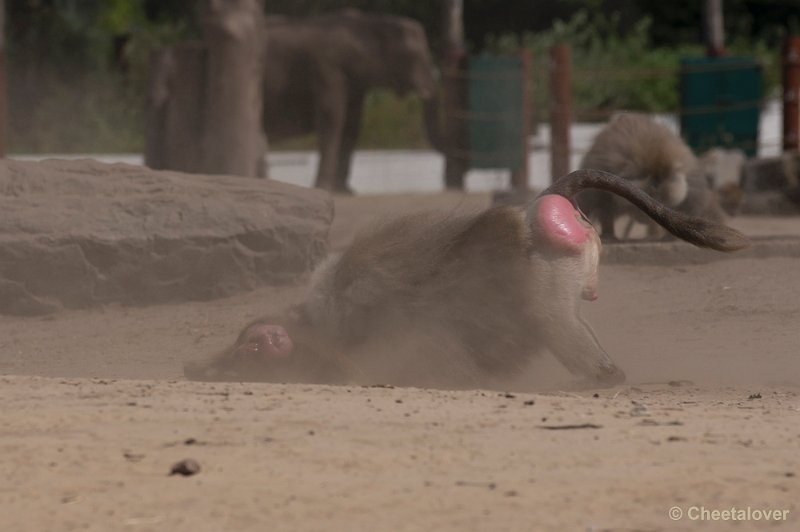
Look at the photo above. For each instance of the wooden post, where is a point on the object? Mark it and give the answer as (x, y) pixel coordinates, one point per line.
(454, 94)
(791, 94)
(714, 28)
(233, 140)
(204, 102)
(521, 177)
(560, 110)
(453, 27)
(3, 82)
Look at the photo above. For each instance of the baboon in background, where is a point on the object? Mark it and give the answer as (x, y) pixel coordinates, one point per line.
(453, 301)
(656, 160)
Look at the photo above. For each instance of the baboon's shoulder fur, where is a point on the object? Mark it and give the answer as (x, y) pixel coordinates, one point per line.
(462, 277)
(414, 250)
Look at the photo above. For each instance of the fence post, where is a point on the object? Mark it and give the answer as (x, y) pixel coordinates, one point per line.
(233, 141)
(560, 110)
(454, 85)
(3, 81)
(204, 99)
(791, 94)
(521, 177)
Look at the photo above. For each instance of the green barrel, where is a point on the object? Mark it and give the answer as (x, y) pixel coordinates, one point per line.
(720, 103)
(495, 113)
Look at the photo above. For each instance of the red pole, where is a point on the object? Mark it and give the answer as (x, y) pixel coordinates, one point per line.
(560, 110)
(791, 94)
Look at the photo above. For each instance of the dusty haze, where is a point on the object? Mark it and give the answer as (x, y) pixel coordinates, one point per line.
(709, 416)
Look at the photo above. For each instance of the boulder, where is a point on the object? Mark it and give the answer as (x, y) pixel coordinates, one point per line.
(771, 173)
(75, 234)
(784, 202)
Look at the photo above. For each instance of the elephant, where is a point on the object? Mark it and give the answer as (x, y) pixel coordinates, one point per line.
(319, 69)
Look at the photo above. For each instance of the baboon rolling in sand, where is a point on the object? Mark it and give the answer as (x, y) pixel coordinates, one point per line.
(656, 160)
(453, 301)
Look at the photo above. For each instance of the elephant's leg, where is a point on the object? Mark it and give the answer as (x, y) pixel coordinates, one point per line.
(352, 127)
(331, 109)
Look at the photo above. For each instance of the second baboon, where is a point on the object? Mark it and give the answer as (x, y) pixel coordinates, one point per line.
(656, 160)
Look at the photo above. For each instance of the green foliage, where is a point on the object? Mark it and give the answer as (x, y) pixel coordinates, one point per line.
(97, 113)
(73, 89)
(392, 122)
(614, 69)
(78, 72)
(388, 122)
(119, 17)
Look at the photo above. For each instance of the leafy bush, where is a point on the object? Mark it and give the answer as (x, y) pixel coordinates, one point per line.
(78, 74)
(98, 113)
(613, 70)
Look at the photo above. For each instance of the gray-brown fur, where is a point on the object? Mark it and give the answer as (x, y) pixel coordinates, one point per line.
(648, 154)
(423, 300)
(453, 301)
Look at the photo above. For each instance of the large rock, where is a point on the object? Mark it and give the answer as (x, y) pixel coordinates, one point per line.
(771, 173)
(78, 233)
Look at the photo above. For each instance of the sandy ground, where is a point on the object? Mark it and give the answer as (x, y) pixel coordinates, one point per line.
(95, 413)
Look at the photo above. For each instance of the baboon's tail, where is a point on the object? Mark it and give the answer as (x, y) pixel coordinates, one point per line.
(692, 229)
